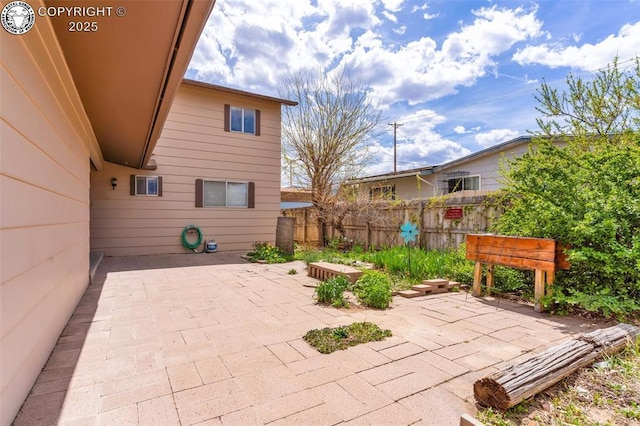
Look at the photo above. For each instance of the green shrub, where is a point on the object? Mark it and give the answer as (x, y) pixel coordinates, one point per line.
(330, 292)
(458, 268)
(585, 193)
(267, 253)
(511, 280)
(373, 290)
(601, 300)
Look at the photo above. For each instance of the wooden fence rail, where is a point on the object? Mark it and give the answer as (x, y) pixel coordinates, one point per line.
(443, 224)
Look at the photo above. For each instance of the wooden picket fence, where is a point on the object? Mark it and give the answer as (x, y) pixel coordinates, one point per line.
(443, 223)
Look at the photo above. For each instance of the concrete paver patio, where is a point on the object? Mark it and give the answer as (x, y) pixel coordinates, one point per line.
(211, 339)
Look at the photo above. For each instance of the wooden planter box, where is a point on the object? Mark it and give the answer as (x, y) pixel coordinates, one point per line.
(542, 255)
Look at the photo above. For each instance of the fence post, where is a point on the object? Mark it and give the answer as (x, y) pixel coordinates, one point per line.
(304, 226)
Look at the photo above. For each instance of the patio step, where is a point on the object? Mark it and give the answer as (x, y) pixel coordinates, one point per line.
(435, 286)
(324, 270)
(410, 293)
(438, 285)
(423, 288)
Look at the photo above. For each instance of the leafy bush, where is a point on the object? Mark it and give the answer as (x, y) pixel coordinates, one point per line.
(597, 300)
(585, 193)
(458, 268)
(267, 253)
(373, 290)
(330, 292)
(589, 199)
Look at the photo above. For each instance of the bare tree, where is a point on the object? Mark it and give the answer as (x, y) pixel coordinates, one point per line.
(325, 137)
(354, 205)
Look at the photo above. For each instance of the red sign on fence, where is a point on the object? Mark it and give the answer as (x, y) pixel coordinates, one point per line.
(453, 213)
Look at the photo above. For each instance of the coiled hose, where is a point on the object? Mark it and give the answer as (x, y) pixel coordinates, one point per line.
(186, 243)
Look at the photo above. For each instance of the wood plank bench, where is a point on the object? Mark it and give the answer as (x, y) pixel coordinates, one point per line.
(543, 255)
(324, 270)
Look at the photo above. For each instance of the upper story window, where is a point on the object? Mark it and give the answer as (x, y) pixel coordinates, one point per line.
(242, 120)
(467, 183)
(146, 185)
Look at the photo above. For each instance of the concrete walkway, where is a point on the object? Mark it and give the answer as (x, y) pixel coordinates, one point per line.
(211, 339)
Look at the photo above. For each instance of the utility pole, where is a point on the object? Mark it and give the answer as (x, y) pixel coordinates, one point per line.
(395, 126)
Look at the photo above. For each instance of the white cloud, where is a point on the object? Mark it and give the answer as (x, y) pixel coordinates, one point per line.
(588, 57)
(393, 5)
(242, 48)
(426, 15)
(495, 136)
(419, 71)
(400, 30)
(460, 130)
(248, 44)
(418, 144)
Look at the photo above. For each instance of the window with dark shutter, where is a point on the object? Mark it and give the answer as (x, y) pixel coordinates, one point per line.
(241, 120)
(251, 198)
(227, 118)
(150, 186)
(199, 193)
(213, 193)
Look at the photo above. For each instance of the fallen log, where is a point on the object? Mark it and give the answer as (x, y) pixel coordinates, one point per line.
(517, 382)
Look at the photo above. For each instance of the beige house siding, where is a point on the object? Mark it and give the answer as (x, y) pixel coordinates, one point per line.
(45, 149)
(193, 145)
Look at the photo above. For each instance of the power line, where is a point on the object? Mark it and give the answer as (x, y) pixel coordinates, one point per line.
(395, 126)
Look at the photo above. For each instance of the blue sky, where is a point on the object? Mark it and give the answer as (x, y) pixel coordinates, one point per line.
(459, 75)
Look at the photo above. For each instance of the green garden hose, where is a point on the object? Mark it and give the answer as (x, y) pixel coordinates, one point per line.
(186, 243)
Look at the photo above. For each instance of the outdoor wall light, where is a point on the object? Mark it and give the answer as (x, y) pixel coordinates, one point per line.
(114, 182)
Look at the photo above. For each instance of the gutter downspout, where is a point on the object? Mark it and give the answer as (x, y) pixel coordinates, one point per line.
(427, 182)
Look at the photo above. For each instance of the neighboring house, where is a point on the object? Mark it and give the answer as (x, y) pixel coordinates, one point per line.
(292, 198)
(79, 109)
(216, 166)
(479, 171)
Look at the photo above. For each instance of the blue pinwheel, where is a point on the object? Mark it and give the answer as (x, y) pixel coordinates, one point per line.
(409, 232)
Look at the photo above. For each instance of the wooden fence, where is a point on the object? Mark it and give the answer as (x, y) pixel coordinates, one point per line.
(443, 223)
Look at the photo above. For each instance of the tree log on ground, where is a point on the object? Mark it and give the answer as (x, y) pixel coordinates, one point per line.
(515, 383)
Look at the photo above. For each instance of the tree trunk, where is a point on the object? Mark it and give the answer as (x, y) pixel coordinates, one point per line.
(285, 229)
(515, 383)
(321, 240)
